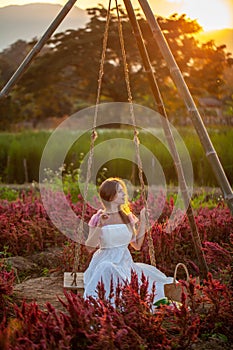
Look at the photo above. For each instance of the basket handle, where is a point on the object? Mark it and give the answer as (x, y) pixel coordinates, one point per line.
(186, 270)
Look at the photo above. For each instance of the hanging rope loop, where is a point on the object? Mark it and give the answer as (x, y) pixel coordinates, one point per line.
(94, 136)
(135, 138)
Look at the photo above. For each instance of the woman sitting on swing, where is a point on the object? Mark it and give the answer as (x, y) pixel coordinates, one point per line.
(113, 228)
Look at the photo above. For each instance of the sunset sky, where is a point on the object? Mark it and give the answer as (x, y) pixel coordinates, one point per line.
(210, 14)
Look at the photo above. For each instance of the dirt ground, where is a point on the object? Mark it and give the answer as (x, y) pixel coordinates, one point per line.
(41, 290)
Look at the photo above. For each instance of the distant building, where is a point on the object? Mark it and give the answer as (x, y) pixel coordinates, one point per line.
(211, 110)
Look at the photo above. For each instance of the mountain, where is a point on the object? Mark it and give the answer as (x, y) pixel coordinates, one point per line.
(26, 22)
(30, 21)
(220, 37)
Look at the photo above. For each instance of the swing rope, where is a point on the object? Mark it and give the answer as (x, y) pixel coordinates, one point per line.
(168, 133)
(94, 136)
(136, 138)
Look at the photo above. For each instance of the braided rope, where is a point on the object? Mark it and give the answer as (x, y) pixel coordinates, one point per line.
(136, 138)
(94, 136)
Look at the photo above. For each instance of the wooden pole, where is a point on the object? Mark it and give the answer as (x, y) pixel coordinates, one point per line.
(37, 48)
(25, 170)
(168, 134)
(190, 104)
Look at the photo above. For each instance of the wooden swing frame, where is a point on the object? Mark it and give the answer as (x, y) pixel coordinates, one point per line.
(185, 94)
(72, 279)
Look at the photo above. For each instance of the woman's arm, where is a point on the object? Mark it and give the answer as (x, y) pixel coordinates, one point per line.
(93, 238)
(139, 234)
(94, 231)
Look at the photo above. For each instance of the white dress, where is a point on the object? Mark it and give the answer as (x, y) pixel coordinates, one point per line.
(113, 260)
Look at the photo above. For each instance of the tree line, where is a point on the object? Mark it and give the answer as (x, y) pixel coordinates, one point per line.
(63, 78)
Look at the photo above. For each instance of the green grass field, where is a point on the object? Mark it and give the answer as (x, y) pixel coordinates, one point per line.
(20, 154)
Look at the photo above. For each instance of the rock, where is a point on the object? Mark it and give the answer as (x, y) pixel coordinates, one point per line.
(49, 259)
(21, 265)
(37, 264)
(41, 290)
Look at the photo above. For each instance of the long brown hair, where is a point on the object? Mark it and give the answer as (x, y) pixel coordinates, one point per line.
(108, 191)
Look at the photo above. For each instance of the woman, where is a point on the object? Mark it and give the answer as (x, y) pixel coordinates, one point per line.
(113, 228)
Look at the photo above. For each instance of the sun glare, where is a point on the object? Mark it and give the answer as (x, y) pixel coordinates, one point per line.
(211, 15)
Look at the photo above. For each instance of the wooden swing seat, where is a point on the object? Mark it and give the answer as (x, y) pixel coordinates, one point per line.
(68, 282)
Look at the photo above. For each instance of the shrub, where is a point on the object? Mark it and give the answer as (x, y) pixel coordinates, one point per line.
(125, 319)
(6, 288)
(25, 226)
(218, 317)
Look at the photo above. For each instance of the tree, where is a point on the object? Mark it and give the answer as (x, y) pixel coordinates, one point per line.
(11, 58)
(228, 92)
(66, 74)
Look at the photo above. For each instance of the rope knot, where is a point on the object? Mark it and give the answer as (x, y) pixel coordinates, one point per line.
(74, 282)
(136, 140)
(94, 135)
